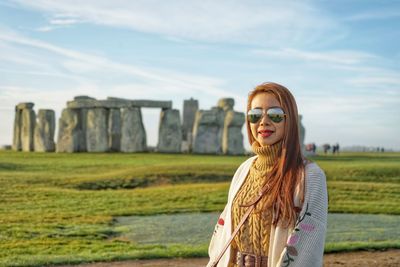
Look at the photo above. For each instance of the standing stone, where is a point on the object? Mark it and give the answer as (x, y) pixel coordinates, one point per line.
(17, 145)
(133, 134)
(114, 130)
(19, 128)
(170, 131)
(226, 103)
(69, 131)
(207, 131)
(28, 129)
(190, 108)
(82, 120)
(25, 105)
(97, 130)
(232, 141)
(44, 131)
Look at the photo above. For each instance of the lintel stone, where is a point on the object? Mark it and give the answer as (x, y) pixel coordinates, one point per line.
(83, 97)
(118, 103)
(145, 103)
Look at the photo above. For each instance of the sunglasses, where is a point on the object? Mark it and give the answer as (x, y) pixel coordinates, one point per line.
(275, 114)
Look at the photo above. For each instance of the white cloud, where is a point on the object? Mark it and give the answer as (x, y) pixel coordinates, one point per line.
(341, 57)
(64, 21)
(375, 15)
(40, 73)
(80, 63)
(340, 68)
(54, 98)
(58, 21)
(45, 29)
(242, 21)
(328, 103)
(11, 54)
(376, 80)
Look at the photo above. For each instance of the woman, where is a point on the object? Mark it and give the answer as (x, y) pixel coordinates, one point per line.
(284, 195)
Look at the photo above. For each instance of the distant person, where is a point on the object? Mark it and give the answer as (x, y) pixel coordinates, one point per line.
(314, 148)
(326, 148)
(335, 149)
(277, 202)
(311, 148)
(308, 147)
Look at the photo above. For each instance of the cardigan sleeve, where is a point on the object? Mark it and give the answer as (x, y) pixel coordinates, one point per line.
(222, 230)
(305, 245)
(217, 240)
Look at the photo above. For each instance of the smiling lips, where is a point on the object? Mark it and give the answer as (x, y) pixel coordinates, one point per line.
(265, 133)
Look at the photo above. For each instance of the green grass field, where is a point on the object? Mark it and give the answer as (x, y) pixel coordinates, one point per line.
(345, 231)
(61, 208)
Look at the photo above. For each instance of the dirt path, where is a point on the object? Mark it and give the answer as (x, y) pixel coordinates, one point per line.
(388, 258)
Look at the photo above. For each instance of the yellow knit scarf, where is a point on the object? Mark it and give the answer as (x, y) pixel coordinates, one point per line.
(253, 236)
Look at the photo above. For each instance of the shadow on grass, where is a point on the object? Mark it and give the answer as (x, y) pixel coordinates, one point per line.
(13, 166)
(154, 180)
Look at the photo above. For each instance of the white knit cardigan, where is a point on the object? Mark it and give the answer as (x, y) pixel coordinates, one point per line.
(300, 245)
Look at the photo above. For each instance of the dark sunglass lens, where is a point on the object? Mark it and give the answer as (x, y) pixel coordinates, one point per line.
(254, 115)
(275, 117)
(253, 118)
(276, 114)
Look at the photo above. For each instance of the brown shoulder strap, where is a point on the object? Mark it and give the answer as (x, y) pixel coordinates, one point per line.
(244, 218)
(251, 206)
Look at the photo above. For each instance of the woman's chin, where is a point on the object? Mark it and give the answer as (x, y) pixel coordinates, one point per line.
(266, 141)
(263, 143)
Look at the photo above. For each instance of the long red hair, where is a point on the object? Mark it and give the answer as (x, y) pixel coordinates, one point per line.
(287, 172)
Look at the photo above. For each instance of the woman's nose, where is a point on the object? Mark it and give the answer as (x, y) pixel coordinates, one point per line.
(264, 119)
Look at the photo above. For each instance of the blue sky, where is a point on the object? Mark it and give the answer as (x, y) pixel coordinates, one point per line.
(340, 58)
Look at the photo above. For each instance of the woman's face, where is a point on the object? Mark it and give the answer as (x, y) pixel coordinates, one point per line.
(265, 131)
